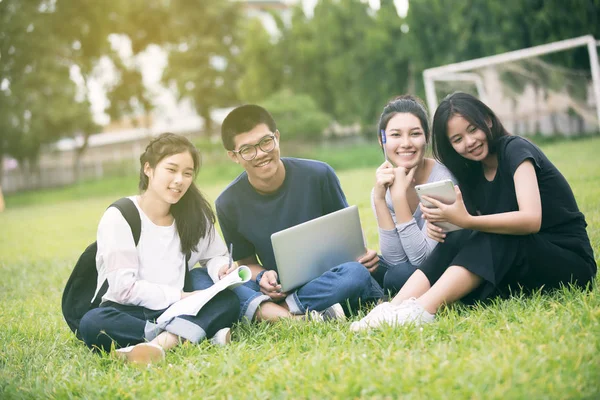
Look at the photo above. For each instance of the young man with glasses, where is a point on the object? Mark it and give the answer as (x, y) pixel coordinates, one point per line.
(273, 194)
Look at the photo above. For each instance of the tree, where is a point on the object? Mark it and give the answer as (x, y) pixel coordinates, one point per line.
(387, 69)
(346, 57)
(37, 96)
(298, 116)
(262, 65)
(202, 43)
(86, 39)
(326, 55)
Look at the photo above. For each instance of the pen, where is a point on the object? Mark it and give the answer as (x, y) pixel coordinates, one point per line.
(230, 255)
(383, 144)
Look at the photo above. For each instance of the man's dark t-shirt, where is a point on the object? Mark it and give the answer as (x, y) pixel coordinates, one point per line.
(248, 219)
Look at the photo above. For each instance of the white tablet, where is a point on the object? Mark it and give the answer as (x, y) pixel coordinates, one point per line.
(442, 191)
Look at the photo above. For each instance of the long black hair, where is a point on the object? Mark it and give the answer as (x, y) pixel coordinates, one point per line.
(192, 213)
(479, 115)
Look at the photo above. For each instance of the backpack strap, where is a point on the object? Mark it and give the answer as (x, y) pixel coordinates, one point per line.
(132, 216)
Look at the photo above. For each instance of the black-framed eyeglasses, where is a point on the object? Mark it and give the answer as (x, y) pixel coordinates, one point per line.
(248, 152)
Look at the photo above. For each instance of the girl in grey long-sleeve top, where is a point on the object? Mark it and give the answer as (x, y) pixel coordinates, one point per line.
(403, 239)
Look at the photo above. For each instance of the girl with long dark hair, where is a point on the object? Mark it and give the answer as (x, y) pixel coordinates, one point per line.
(177, 231)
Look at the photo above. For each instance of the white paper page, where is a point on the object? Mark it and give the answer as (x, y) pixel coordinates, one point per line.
(192, 304)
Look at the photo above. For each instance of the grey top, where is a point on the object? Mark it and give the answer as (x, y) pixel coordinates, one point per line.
(409, 240)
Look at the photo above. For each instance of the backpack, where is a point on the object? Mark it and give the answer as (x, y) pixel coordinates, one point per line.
(81, 286)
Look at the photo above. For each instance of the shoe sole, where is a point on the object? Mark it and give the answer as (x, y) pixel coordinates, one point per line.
(220, 339)
(228, 337)
(145, 354)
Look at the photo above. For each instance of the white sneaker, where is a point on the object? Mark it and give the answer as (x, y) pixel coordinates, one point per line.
(314, 316)
(408, 312)
(412, 312)
(142, 353)
(222, 337)
(373, 318)
(334, 313)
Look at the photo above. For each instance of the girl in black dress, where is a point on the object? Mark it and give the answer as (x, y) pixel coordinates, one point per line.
(522, 226)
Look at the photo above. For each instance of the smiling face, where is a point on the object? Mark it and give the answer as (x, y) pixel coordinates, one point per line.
(405, 140)
(265, 165)
(171, 178)
(468, 140)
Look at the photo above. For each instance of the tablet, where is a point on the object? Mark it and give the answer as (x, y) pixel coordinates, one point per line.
(442, 191)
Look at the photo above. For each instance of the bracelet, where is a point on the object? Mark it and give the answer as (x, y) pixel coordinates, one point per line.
(259, 276)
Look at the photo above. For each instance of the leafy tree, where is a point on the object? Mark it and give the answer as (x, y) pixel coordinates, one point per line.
(387, 69)
(327, 56)
(346, 57)
(37, 96)
(202, 43)
(86, 38)
(129, 96)
(262, 65)
(298, 116)
(42, 42)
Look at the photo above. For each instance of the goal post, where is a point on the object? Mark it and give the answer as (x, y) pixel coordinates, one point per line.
(464, 71)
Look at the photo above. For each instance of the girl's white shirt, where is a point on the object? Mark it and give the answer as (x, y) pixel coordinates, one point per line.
(152, 274)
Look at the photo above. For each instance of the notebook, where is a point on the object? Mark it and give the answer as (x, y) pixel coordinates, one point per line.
(305, 251)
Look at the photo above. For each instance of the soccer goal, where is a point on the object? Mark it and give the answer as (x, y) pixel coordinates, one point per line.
(531, 90)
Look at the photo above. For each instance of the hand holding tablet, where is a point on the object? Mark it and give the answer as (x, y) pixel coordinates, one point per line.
(442, 191)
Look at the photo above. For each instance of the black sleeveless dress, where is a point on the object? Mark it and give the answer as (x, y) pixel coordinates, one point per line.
(560, 253)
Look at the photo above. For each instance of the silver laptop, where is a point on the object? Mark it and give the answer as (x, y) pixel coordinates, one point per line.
(305, 251)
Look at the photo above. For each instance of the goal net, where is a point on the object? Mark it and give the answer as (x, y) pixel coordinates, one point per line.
(534, 90)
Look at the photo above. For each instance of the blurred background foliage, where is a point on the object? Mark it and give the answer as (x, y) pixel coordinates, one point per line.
(342, 63)
(299, 114)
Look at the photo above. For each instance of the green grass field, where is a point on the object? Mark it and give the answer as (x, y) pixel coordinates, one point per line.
(523, 348)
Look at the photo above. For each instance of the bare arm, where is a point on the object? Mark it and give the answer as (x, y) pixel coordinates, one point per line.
(390, 243)
(525, 221)
(528, 219)
(403, 180)
(384, 177)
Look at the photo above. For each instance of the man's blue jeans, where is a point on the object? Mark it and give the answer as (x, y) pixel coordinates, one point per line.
(347, 284)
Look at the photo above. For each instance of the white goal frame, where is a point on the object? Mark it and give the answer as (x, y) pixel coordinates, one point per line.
(458, 71)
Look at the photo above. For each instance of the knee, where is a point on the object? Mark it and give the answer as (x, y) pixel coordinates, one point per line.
(355, 277)
(397, 276)
(90, 328)
(230, 304)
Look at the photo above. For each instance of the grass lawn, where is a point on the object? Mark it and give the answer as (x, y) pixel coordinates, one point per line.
(524, 348)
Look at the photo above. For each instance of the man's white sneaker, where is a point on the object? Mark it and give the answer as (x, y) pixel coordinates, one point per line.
(334, 313)
(222, 337)
(142, 353)
(312, 315)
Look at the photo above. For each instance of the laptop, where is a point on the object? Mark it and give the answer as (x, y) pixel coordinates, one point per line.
(305, 251)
